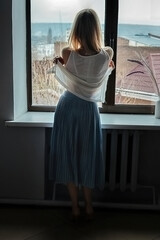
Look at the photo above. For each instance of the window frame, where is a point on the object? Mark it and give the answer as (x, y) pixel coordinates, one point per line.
(110, 39)
(37, 108)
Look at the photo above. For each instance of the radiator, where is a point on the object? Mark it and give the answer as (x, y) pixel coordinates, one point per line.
(121, 152)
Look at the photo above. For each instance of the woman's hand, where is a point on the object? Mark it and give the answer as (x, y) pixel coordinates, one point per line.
(60, 59)
(111, 64)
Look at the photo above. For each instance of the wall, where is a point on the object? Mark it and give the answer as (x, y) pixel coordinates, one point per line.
(21, 149)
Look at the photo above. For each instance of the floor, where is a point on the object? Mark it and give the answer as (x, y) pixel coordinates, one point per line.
(46, 223)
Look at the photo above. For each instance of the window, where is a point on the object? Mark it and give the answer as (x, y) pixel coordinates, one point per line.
(138, 34)
(130, 88)
(49, 28)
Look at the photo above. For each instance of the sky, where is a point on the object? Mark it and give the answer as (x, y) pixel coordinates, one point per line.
(130, 11)
(140, 11)
(63, 10)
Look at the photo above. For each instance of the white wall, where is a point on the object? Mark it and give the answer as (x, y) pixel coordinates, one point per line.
(19, 56)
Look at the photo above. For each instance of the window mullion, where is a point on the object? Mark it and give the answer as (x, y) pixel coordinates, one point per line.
(110, 38)
(28, 54)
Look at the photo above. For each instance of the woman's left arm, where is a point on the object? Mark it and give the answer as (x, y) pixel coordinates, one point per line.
(65, 54)
(60, 59)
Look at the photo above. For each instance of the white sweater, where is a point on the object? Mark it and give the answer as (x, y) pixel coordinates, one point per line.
(85, 76)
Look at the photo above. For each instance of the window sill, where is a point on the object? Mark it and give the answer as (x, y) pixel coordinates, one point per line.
(108, 121)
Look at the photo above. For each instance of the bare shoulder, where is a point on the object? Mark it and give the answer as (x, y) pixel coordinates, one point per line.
(65, 54)
(110, 51)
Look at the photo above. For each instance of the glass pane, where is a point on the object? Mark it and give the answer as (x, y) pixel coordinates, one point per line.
(50, 28)
(138, 39)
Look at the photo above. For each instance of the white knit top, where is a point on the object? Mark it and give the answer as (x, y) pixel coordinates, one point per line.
(85, 76)
(89, 68)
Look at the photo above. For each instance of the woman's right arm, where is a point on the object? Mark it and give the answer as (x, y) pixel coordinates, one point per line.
(110, 52)
(111, 64)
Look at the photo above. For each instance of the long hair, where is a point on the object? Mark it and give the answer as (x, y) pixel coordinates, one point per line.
(86, 31)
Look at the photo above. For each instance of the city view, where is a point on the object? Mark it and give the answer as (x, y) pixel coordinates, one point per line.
(49, 38)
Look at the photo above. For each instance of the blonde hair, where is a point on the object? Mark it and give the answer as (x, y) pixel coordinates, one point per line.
(86, 31)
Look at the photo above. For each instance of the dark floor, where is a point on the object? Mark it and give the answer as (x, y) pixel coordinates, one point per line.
(37, 223)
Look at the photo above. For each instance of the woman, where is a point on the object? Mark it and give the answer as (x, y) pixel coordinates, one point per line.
(76, 143)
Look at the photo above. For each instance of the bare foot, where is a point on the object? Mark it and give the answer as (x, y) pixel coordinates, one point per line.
(89, 212)
(75, 213)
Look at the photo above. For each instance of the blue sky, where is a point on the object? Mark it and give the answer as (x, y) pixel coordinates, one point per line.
(130, 11)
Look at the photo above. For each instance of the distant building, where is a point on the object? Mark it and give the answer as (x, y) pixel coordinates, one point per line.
(122, 41)
(134, 43)
(68, 31)
(42, 51)
(58, 46)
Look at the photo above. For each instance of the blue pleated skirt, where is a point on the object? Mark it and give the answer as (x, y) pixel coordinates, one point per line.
(76, 143)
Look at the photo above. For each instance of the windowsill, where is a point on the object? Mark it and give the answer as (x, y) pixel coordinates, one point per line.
(108, 121)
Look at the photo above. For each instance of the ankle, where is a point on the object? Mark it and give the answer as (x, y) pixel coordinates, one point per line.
(75, 210)
(89, 209)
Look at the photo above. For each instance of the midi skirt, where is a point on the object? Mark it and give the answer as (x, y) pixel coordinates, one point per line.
(76, 143)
